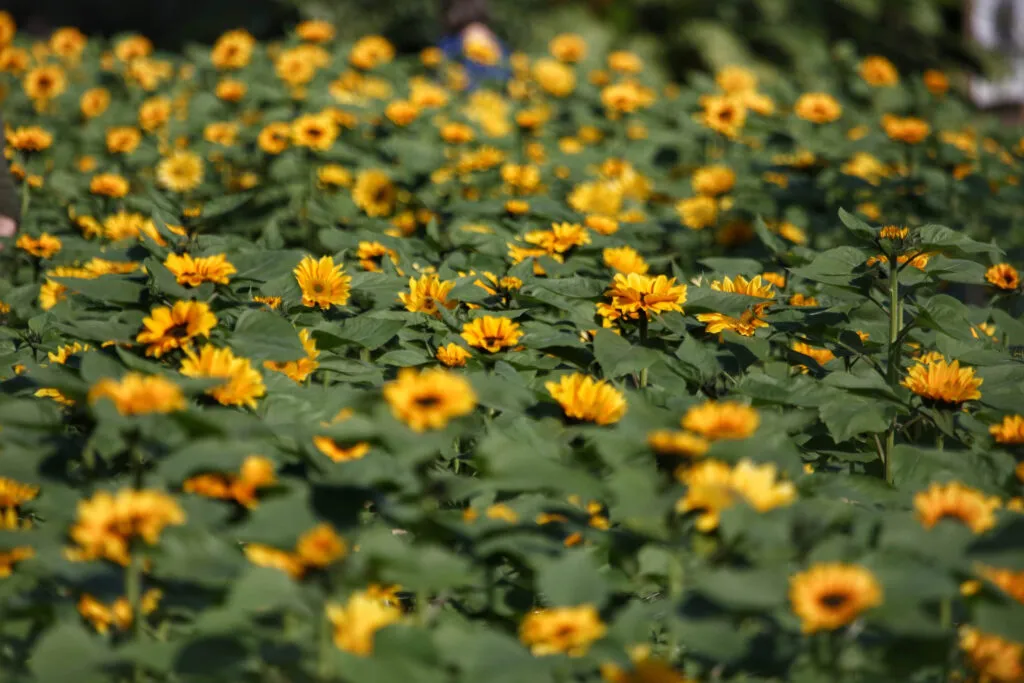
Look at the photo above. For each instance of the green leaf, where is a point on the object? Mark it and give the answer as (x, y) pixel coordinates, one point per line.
(67, 652)
(743, 589)
(847, 416)
(367, 330)
(263, 590)
(834, 267)
(575, 287)
(941, 238)
(106, 289)
(572, 579)
(860, 230)
(263, 335)
(617, 357)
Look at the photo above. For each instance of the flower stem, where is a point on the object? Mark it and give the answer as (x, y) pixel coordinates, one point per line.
(895, 327)
(642, 382)
(323, 663)
(133, 593)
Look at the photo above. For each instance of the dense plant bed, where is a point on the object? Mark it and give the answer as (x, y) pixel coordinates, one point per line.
(318, 365)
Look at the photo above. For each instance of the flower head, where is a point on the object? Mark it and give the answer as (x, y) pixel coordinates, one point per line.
(356, 623)
(453, 355)
(256, 472)
(943, 382)
(426, 294)
(243, 383)
(195, 271)
(831, 595)
(323, 283)
(374, 193)
(587, 399)
(713, 486)
(956, 501)
(182, 171)
(716, 420)
(879, 72)
(994, 658)
(298, 370)
(169, 328)
(625, 259)
(492, 333)
(137, 394)
(1003, 276)
(561, 630)
(818, 108)
(1009, 431)
(630, 294)
(107, 524)
(429, 399)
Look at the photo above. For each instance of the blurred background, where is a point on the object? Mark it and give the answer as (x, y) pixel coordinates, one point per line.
(678, 35)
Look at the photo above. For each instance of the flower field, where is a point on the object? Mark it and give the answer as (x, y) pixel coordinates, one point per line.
(325, 364)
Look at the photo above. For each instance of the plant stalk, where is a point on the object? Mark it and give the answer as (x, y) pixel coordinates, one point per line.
(895, 327)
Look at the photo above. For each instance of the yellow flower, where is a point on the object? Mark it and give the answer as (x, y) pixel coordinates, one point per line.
(320, 546)
(371, 51)
(50, 294)
(818, 108)
(137, 394)
(603, 225)
(909, 130)
(9, 558)
(429, 399)
(554, 77)
(315, 131)
(244, 384)
(338, 452)
(64, 352)
(625, 259)
(1003, 276)
(736, 79)
(231, 90)
(298, 370)
(502, 512)
(45, 82)
(333, 175)
(195, 271)
(879, 72)
(672, 442)
(401, 112)
(44, 246)
(256, 472)
(172, 328)
(713, 486)
(1009, 431)
(180, 172)
(568, 47)
(712, 181)
(956, 501)
(943, 382)
(584, 398)
(453, 355)
(481, 48)
(865, 166)
(426, 294)
(374, 193)
(370, 255)
(94, 102)
(1009, 581)
(996, 659)
(275, 137)
(323, 283)
(358, 620)
(622, 98)
(282, 560)
(633, 293)
(109, 185)
(820, 355)
(750, 320)
(799, 299)
(561, 630)
(233, 50)
(893, 232)
(716, 420)
(936, 82)
(107, 524)
(831, 595)
(14, 493)
(698, 212)
(315, 31)
(724, 114)
(561, 238)
(492, 333)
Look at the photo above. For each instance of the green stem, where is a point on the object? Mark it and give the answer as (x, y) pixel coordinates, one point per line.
(133, 592)
(323, 662)
(642, 382)
(676, 575)
(895, 327)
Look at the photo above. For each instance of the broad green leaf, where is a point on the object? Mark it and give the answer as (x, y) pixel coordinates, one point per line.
(264, 335)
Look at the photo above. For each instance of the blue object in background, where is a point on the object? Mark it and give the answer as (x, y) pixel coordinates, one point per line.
(477, 73)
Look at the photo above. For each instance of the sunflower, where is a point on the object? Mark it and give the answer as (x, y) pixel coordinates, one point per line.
(233, 50)
(750, 319)
(275, 137)
(589, 400)
(713, 181)
(674, 442)
(45, 246)
(715, 420)
(1009, 431)
(137, 394)
(831, 595)
(9, 558)
(820, 355)
(1003, 276)
(724, 114)
(182, 171)
(323, 283)
(453, 355)
(943, 382)
(123, 139)
(244, 384)
(697, 213)
(320, 546)
(633, 293)
(713, 486)
(356, 623)
(374, 193)
(29, 138)
(818, 108)
(14, 493)
(256, 472)
(429, 399)
(879, 72)
(956, 501)
(61, 355)
(561, 238)
(996, 659)
(370, 255)
(492, 333)
(908, 130)
(370, 52)
(169, 328)
(298, 370)
(561, 630)
(315, 131)
(50, 294)
(625, 259)
(195, 271)
(45, 82)
(568, 47)
(333, 175)
(339, 452)
(109, 185)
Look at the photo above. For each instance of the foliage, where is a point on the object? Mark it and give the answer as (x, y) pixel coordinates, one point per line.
(318, 365)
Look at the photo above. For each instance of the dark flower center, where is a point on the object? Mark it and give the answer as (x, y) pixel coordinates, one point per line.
(179, 331)
(834, 600)
(428, 401)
